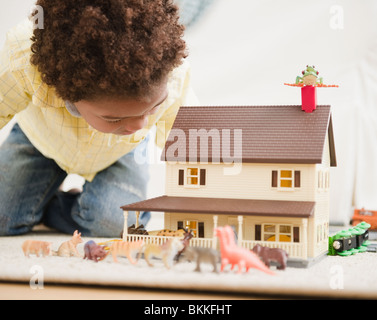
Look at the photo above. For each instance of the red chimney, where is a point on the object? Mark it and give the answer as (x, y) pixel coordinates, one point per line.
(308, 98)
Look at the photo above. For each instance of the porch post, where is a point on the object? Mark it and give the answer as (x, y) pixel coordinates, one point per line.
(240, 235)
(214, 240)
(305, 238)
(137, 213)
(125, 227)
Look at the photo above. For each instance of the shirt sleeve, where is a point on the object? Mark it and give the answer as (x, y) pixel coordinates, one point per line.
(13, 95)
(184, 96)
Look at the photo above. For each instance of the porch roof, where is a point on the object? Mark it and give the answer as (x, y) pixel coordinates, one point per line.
(247, 207)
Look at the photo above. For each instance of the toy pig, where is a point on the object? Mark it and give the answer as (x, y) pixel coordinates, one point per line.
(94, 252)
(36, 247)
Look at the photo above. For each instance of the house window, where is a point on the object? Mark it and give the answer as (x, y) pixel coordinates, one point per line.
(320, 180)
(194, 177)
(323, 180)
(322, 232)
(196, 227)
(327, 180)
(286, 179)
(277, 232)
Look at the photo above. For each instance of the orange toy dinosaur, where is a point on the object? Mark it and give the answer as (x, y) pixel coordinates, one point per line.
(235, 255)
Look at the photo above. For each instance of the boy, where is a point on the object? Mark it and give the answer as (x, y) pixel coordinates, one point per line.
(86, 88)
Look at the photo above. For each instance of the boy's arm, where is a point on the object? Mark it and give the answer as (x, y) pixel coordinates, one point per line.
(13, 97)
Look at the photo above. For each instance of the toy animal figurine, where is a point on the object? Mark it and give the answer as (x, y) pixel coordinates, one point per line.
(93, 251)
(268, 255)
(171, 233)
(139, 230)
(201, 255)
(68, 248)
(309, 78)
(126, 248)
(235, 255)
(37, 248)
(185, 241)
(166, 251)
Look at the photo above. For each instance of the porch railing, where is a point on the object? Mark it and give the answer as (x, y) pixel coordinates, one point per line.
(195, 242)
(294, 250)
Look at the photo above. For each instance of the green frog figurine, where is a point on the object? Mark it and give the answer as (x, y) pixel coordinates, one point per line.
(309, 77)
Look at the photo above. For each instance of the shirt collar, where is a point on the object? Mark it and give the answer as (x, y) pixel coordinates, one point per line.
(72, 109)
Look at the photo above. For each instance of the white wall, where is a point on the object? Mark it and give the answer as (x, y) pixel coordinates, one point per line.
(11, 13)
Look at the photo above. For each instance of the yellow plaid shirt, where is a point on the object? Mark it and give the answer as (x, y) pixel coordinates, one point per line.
(70, 141)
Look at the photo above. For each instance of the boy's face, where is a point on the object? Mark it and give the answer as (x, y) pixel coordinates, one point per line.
(121, 117)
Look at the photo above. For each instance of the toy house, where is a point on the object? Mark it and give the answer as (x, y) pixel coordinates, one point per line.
(264, 170)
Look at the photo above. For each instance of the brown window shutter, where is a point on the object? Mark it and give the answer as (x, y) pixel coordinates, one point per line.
(181, 174)
(296, 234)
(274, 180)
(179, 225)
(201, 229)
(297, 179)
(202, 177)
(258, 232)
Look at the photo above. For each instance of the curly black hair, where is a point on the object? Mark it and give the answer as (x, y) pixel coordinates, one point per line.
(90, 49)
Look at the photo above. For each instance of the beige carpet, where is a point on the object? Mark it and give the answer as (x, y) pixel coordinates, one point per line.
(350, 277)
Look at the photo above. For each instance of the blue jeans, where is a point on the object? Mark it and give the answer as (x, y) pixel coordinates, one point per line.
(29, 193)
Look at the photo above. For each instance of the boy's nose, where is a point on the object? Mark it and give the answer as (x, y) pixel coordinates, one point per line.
(139, 123)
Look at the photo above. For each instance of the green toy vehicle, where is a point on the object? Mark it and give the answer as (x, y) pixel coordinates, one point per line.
(350, 241)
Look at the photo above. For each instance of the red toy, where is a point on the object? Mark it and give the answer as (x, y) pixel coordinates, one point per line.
(235, 255)
(309, 83)
(309, 98)
(368, 216)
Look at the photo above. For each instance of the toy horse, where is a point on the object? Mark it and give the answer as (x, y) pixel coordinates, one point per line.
(166, 251)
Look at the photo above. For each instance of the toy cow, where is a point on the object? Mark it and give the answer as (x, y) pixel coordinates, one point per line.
(93, 251)
(272, 254)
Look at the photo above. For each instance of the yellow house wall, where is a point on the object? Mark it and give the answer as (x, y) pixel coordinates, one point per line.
(319, 229)
(248, 225)
(254, 182)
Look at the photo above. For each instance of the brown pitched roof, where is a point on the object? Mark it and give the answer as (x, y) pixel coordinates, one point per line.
(270, 134)
(200, 205)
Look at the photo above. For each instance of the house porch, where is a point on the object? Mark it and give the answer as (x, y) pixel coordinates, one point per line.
(243, 215)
